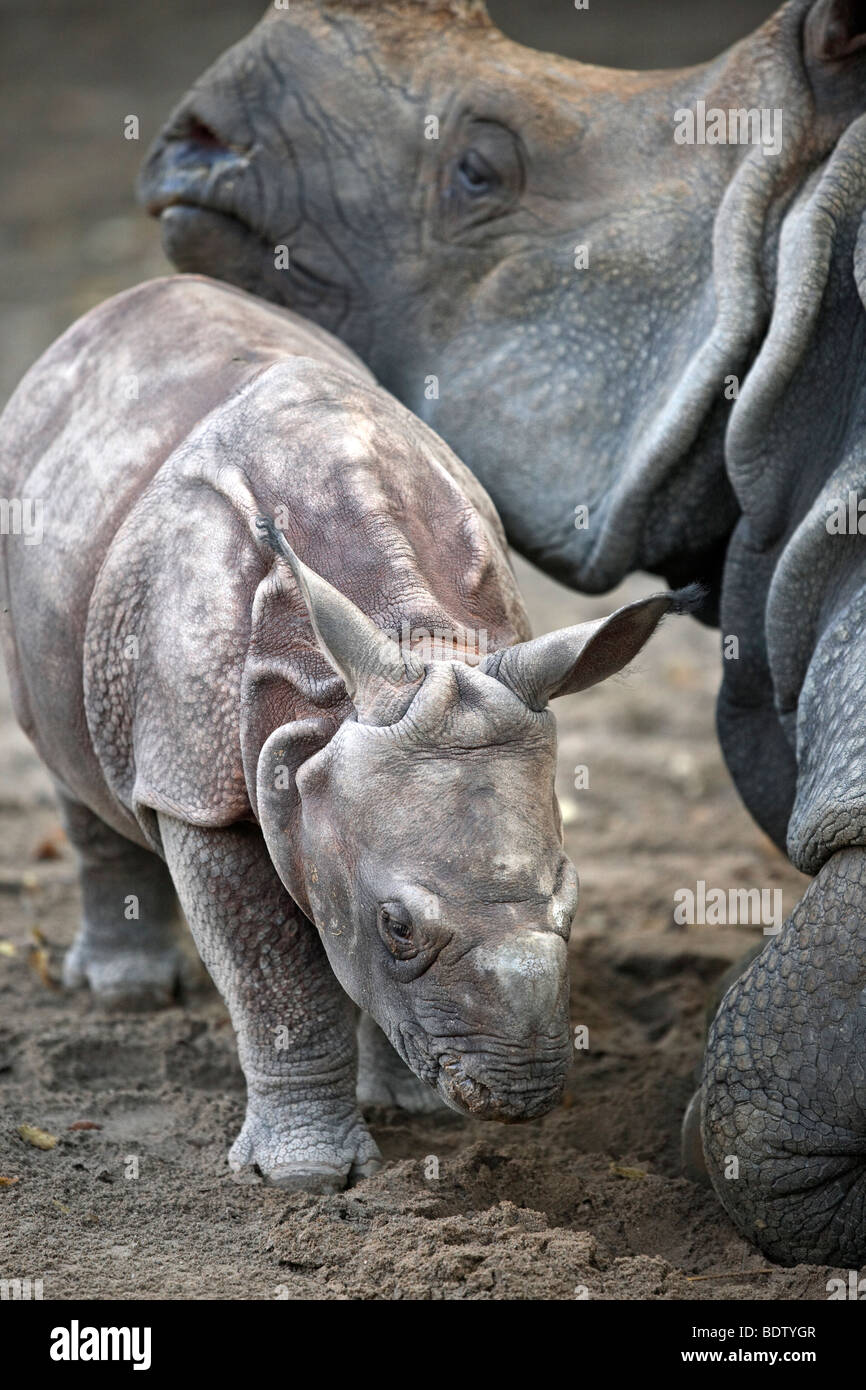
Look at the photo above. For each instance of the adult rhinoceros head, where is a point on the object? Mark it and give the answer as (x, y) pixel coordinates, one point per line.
(430, 844)
(539, 257)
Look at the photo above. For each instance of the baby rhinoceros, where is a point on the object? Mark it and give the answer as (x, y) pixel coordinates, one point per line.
(272, 651)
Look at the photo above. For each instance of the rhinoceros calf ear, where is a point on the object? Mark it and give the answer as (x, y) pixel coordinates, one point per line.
(277, 796)
(574, 658)
(371, 664)
(835, 29)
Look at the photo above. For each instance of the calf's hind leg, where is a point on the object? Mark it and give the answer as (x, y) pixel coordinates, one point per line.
(127, 948)
(294, 1023)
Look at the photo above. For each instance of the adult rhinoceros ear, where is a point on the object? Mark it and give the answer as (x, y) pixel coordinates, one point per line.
(373, 667)
(835, 29)
(574, 658)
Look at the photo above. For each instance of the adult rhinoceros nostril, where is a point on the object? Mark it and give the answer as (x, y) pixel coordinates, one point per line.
(191, 129)
(198, 133)
(191, 165)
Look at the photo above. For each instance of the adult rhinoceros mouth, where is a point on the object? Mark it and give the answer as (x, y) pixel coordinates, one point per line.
(191, 165)
(191, 187)
(197, 183)
(184, 223)
(198, 234)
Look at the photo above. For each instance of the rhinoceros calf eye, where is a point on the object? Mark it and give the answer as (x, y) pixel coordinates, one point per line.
(395, 929)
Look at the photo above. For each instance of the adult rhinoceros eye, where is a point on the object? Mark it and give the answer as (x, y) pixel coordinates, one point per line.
(483, 175)
(475, 175)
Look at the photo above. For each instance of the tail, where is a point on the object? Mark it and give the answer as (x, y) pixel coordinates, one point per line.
(267, 529)
(688, 599)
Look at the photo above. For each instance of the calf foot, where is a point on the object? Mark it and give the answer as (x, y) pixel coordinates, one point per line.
(124, 977)
(128, 949)
(305, 1149)
(294, 1024)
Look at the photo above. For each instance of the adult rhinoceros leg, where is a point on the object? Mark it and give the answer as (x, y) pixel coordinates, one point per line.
(294, 1023)
(784, 1105)
(127, 948)
(384, 1078)
(692, 1151)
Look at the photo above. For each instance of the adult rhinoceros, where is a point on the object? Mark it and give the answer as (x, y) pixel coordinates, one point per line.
(638, 295)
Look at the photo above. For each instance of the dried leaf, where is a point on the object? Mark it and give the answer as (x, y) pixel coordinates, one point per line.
(84, 1124)
(60, 1206)
(8, 1182)
(40, 961)
(11, 881)
(8, 948)
(622, 1172)
(39, 1138)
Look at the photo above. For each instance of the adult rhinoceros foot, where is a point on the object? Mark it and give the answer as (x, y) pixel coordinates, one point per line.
(784, 1087)
(694, 1163)
(305, 1150)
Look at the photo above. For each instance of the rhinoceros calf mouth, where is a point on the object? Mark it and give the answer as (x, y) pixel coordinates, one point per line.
(469, 1095)
(460, 1090)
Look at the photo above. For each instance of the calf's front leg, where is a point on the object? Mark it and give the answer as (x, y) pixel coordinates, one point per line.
(784, 1083)
(295, 1025)
(384, 1078)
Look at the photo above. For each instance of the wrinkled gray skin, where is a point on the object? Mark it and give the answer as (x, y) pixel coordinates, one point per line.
(341, 817)
(606, 386)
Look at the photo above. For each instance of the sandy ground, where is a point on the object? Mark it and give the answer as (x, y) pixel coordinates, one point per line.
(587, 1202)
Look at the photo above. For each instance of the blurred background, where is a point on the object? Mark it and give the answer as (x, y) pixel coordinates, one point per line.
(71, 70)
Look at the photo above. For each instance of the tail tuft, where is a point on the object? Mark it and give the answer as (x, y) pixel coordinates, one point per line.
(688, 599)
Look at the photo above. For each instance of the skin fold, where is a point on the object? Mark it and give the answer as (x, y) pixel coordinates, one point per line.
(348, 817)
(594, 315)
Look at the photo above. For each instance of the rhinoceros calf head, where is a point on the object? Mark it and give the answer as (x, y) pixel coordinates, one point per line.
(431, 845)
(530, 252)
